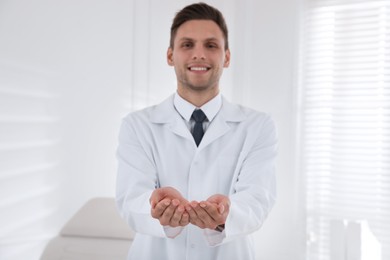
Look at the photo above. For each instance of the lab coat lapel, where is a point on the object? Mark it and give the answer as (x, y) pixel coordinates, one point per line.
(217, 128)
(165, 113)
(220, 125)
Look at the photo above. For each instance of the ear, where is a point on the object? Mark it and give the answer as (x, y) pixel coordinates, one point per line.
(170, 56)
(227, 59)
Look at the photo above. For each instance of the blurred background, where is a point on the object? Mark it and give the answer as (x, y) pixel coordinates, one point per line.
(70, 70)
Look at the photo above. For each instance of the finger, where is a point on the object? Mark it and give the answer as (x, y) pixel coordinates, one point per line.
(159, 209)
(156, 197)
(185, 219)
(203, 216)
(193, 217)
(219, 199)
(177, 215)
(221, 209)
(212, 211)
(153, 202)
(165, 219)
(191, 213)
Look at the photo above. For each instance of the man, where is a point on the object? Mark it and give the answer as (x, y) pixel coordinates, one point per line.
(196, 172)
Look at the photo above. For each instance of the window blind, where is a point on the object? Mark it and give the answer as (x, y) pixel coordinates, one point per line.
(345, 119)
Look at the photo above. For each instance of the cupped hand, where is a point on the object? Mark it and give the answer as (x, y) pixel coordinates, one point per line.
(168, 206)
(210, 213)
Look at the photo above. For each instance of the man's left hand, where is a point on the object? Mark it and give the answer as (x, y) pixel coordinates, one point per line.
(210, 213)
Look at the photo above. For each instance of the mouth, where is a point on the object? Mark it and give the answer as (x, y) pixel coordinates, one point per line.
(199, 68)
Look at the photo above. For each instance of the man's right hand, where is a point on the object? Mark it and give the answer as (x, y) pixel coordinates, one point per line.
(168, 206)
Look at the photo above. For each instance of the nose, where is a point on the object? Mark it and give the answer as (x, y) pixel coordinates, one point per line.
(198, 53)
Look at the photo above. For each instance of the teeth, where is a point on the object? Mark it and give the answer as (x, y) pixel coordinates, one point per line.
(198, 68)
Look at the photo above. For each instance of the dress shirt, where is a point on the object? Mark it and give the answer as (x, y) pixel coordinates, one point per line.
(185, 109)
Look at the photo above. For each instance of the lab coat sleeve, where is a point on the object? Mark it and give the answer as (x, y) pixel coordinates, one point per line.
(253, 194)
(136, 180)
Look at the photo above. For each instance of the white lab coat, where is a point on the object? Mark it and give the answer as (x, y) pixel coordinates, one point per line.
(235, 158)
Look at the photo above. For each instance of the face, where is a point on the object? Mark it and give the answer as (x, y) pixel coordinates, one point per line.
(198, 56)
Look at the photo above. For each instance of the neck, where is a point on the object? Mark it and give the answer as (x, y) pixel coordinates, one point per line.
(197, 98)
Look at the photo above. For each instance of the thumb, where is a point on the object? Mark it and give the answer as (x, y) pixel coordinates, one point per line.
(156, 196)
(221, 208)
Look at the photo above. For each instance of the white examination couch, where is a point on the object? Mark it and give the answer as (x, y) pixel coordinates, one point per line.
(95, 232)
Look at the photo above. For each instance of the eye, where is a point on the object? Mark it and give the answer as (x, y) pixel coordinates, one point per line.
(211, 45)
(187, 45)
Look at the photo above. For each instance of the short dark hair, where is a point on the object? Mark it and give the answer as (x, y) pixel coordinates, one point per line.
(199, 11)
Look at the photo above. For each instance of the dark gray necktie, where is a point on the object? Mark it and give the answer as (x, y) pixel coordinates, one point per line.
(198, 132)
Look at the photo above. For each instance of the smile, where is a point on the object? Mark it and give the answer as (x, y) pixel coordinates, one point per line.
(199, 68)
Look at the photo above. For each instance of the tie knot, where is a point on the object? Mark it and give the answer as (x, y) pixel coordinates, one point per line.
(198, 116)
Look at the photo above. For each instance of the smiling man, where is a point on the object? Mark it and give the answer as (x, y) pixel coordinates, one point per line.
(196, 172)
(199, 53)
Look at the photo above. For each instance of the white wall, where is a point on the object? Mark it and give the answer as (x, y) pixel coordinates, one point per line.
(65, 66)
(102, 59)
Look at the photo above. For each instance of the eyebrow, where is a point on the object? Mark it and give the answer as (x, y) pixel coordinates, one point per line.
(206, 40)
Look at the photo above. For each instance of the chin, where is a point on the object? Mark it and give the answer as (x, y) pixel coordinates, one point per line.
(199, 88)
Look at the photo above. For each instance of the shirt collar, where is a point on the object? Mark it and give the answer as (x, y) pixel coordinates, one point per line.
(185, 108)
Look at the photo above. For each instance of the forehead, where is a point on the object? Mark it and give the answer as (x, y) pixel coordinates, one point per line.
(198, 30)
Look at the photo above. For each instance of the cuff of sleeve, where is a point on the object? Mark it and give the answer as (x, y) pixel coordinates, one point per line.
(213, 237)
(172, 232)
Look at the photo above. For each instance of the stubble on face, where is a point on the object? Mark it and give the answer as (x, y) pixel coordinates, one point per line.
(199, 43)
(198, 85)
